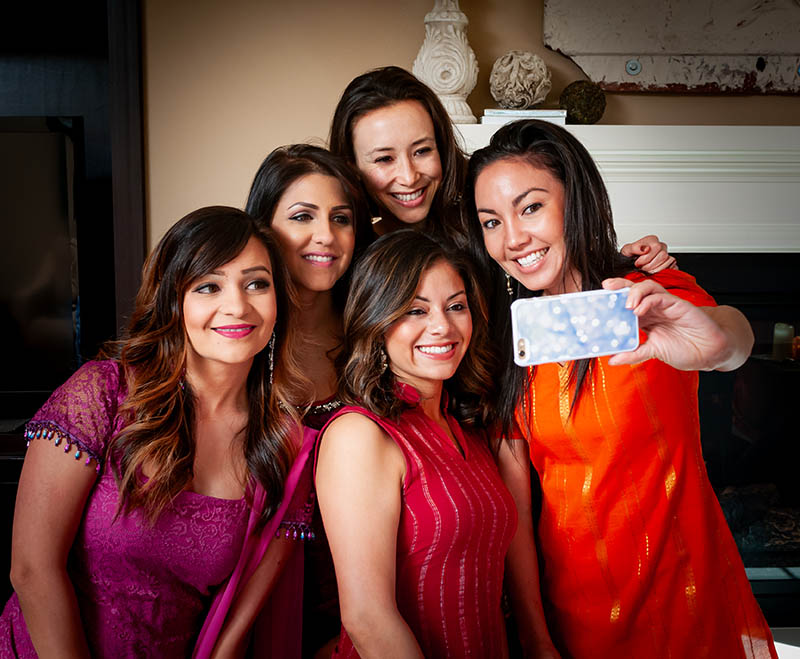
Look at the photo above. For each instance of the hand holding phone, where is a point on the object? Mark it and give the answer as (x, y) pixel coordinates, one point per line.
(561, 328)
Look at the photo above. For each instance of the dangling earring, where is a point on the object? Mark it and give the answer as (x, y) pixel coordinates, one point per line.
(271, 346)
(384, 361)
(376, 219)
(508, 285)
(182, 381)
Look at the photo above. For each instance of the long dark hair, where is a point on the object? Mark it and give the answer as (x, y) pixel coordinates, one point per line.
(384, 284)
(159, 407)
(287, 164)
(387, 86)
(589, 236)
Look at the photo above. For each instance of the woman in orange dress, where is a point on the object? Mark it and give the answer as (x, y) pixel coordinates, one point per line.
(637, 560)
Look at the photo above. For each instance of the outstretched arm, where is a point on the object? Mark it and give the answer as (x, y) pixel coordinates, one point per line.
(522, 568)
(359, 482)
(684, 336)
(53, 489)
(653, 254)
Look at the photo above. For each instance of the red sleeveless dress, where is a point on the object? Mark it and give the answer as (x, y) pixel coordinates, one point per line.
(456, 523)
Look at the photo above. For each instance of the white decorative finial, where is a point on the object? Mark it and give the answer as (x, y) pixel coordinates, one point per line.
(445, 62)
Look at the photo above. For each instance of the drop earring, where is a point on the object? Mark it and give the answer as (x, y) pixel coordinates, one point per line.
(384, 361)
(508, 285)
(271, 346)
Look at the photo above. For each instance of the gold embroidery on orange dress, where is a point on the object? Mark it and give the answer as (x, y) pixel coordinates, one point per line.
(636, 519)
(690, 586)
(601, 550)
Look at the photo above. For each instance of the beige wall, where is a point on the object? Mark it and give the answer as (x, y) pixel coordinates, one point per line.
(226, 82)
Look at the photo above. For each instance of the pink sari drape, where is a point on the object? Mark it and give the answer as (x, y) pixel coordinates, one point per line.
(278, 629)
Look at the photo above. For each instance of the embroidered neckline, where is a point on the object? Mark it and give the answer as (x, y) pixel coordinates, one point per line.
(327, 406)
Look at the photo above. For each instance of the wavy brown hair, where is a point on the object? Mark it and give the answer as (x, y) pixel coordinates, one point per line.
(387, 86)
(383, 288)
(159, 407)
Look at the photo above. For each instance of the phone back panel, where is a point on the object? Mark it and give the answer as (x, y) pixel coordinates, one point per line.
(561, 328)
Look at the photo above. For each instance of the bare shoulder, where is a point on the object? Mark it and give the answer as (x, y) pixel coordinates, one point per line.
(354, 422)
(360, 441)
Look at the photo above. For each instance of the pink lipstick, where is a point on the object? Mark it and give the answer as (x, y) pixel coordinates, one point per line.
(234, 331)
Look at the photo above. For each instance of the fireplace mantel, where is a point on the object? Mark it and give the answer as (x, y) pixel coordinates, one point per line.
(699, 188)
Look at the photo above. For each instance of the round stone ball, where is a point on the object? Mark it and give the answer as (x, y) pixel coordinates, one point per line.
(584, 102)
(519, 80)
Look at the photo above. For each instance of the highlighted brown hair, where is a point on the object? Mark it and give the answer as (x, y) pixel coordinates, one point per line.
(383, 288)
(159, 408)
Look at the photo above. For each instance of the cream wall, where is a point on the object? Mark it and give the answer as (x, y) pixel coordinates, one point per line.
(225, 83)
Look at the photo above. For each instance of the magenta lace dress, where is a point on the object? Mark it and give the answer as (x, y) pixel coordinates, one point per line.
(143, 591)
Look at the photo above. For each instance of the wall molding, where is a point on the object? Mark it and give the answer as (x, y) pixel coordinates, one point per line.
(699, 188)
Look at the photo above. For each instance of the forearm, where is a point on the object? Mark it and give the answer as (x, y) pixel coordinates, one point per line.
(522, 566)
(51, 613)
(379, 632)
(524, 591)
(233, 638)
(738, 333)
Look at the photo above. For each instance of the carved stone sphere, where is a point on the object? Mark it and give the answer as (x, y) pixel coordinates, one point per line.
(519, 80)
(584, 102)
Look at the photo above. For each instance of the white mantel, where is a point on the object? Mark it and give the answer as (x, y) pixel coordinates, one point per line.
(699, 188)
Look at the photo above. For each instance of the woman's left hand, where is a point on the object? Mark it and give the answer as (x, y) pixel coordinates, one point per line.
(653, 254)
(686, 337)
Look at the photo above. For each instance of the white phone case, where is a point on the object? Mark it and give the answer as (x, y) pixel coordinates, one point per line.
(561, 328)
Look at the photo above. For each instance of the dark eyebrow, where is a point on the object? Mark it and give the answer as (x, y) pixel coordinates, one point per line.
(246, 271)
(379, 149)
(526, 193)
(517, 199)
(424, 299)
(305, 204)
(256, 268)
(342, 207)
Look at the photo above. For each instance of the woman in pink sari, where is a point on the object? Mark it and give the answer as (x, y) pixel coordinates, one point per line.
(151, 473)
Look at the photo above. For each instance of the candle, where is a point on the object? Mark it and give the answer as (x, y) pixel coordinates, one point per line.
(782, 338)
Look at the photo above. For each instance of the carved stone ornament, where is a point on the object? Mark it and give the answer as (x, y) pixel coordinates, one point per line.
(445, 61)
(519, 80)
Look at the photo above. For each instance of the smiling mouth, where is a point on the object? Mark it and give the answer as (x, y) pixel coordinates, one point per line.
(318, 258)
(437, 350)
(533, 257)
(406, 197)
(234, 331)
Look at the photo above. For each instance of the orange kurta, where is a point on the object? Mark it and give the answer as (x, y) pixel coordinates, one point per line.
(638, 559)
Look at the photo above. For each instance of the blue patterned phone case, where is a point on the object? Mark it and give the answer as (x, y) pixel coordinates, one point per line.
(561, 328)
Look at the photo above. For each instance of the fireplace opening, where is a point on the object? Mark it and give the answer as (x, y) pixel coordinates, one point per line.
(749, 424)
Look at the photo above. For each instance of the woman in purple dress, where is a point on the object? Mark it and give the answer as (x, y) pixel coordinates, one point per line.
(151, 473)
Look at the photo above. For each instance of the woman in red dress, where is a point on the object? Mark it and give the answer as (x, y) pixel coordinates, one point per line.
(416, 513)
(637, 558)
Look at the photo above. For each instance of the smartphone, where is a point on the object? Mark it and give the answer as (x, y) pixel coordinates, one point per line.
(561, 328)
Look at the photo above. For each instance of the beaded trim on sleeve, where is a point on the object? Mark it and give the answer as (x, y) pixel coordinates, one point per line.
(300, 530)
(296, 531)
(50, 431)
